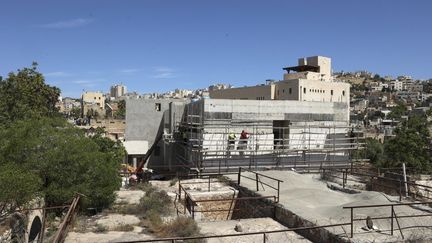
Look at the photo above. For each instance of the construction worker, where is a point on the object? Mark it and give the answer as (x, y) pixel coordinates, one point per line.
(244, 136)
(231, 142)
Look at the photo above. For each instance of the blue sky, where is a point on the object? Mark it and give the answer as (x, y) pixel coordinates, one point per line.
(158, 45)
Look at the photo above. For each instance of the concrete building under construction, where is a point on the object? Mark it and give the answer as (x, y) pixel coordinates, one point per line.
(301, 133)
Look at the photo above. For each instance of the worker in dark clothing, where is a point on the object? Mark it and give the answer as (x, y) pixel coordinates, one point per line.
(244, 136)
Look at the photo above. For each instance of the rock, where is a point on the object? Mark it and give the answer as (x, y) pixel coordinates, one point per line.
(238, 227)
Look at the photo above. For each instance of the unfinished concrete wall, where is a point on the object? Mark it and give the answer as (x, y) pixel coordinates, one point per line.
(146, 118)
(311, 124)
(275, 110)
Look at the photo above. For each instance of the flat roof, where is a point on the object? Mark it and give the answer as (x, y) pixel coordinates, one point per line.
(302, 68)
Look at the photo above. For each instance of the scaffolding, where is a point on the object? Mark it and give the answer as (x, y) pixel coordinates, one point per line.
(203, 144)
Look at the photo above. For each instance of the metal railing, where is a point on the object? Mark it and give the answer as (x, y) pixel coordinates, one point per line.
(392, 216)
(263, 233)
(258, 181)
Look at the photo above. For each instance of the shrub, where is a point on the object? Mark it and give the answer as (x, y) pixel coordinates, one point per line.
(173, 181)
(100, 228)
(179, 227)
(156, 201)
(124, 227)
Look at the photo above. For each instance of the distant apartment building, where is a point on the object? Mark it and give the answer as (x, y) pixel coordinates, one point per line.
(92, 103)
(311, 80)
(378, 86)
(409, 96)
(396, 85)
(118, 91)
(414, 87)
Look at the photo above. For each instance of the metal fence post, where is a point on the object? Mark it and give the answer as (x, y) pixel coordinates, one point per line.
(238, 176)
(392, 220)
(278, 191)
(179, 189)
(352, 226)
(256, 178)
(264, 238)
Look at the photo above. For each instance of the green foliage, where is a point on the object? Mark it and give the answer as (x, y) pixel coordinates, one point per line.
(106, 145)
(66, 161)
(121, 112)
(75, 113)
(155, 202)
(41, 154)
(410, 146)
(397, 112)
(17, 187)
(374, 151)
(24, 95)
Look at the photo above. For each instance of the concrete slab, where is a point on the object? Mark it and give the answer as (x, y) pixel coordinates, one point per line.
(308, 197)
(248, 225)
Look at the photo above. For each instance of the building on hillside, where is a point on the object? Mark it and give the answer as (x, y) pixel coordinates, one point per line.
(396, 85)
(311, 80)
(92, 104)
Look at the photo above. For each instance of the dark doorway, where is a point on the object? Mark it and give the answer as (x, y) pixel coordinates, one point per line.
(35, 229)
(281, 134)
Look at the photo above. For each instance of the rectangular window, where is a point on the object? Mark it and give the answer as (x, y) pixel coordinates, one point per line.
(331, 92)
(158, 106)
(304, 90)
(290, 91)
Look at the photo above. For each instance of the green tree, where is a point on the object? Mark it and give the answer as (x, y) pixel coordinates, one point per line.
(64, 159)
(397, 112)
(106, 145)
(75, 112)
(121, 112)
(24, 95)
(374, 151)
(410, 146)
(18, 186)
(41, 154)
